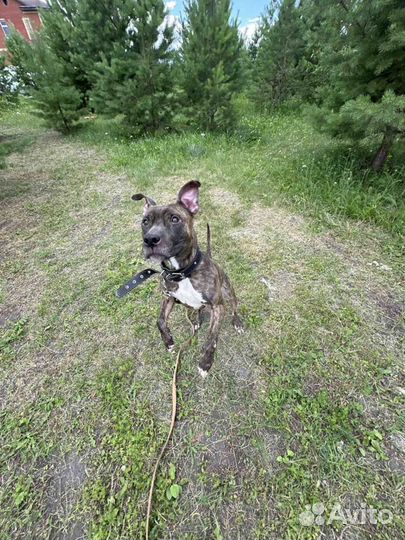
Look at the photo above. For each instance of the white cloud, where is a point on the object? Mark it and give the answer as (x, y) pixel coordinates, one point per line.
(175, 22)
(248, 30)
(170, 20)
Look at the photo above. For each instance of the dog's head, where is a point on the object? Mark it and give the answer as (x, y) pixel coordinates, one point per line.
(168, 231)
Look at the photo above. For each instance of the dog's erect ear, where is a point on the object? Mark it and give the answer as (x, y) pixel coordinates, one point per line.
(148, 200)
(188, 196)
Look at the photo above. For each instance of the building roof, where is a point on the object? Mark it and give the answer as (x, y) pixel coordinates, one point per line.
(27, 5)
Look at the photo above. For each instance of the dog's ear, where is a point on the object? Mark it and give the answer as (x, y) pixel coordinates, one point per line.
(188, 196)
(148, 200)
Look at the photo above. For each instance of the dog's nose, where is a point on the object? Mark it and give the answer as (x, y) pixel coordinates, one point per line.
(151, 240)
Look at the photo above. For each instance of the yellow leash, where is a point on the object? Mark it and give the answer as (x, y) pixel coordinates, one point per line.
(172, 422)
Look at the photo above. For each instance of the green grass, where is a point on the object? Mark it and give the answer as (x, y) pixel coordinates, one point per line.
(16, 117)
(9, 145)
(269, 158)
(306, 407)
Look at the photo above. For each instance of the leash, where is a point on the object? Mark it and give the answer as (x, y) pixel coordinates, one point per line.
(171, 428)
(127, 287)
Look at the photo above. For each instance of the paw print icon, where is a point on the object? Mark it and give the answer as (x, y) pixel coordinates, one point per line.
(312, 515)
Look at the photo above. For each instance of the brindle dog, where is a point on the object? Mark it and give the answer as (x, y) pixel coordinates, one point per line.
(169, 238)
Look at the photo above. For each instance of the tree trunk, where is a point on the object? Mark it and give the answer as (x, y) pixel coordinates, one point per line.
(382, 153)
(63, 117)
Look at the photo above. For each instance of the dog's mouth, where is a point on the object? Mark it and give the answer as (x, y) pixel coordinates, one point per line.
(155, 254)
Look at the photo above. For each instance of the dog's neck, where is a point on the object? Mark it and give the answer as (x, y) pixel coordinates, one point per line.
(184, 258)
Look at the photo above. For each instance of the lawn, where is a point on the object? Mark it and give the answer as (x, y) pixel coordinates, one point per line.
(306, 407)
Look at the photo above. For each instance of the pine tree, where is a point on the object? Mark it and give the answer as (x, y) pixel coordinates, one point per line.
(363, 65)
(279, 73)
(45, 69)
(82, 33)
(43, 76)
(59, 34)
(211, 63)
(116, 51)
(136, 80)
(315, 37)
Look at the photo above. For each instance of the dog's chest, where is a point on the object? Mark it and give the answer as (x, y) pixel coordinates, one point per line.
(186, 294)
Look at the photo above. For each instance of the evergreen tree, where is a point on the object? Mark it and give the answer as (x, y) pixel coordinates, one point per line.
(211, 63)
(59, 34)
(116, 51)
(315, 36)
(82, 33)
(43, 76)
(279, 53)
(363, 66)
(136, 80)
(45, 70)
(246, 66)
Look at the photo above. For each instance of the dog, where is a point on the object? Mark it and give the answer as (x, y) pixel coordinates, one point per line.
(189, 276)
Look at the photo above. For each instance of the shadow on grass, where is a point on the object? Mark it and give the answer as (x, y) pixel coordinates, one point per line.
(9, 144)
(12, 143)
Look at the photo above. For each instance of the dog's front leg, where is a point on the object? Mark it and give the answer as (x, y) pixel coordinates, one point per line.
(167, 306)
(210, 345)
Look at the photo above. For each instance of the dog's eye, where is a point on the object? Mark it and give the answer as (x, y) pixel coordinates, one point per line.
(175, 219)
(145, 221)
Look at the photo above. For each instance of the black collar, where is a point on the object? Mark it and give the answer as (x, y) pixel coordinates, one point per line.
(178, 275)
(166, 273)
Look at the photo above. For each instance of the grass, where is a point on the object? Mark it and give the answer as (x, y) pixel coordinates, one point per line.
(270, 158)
(306, 407)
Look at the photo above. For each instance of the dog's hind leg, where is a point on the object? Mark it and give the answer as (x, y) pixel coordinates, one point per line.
(167, 306)
(230, 296)
(210, 345)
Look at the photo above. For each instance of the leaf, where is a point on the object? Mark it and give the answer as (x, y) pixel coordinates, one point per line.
(217, 533)
(377, 434)
(168, 494)
(172, 471)
(175, 490)
(20, 497)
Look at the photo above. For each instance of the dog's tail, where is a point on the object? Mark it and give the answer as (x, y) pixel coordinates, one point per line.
(208, 240)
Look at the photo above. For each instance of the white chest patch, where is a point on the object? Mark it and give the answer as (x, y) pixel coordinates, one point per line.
(186, 294)
(174, 263)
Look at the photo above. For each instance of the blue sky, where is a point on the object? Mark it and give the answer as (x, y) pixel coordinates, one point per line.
(248, 12)
(247, 9)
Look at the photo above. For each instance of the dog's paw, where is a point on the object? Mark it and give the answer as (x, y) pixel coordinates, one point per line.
(202, 372)
(238, 325)
(171, 348)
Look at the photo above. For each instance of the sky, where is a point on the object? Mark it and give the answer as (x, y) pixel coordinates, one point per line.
(247, 11)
